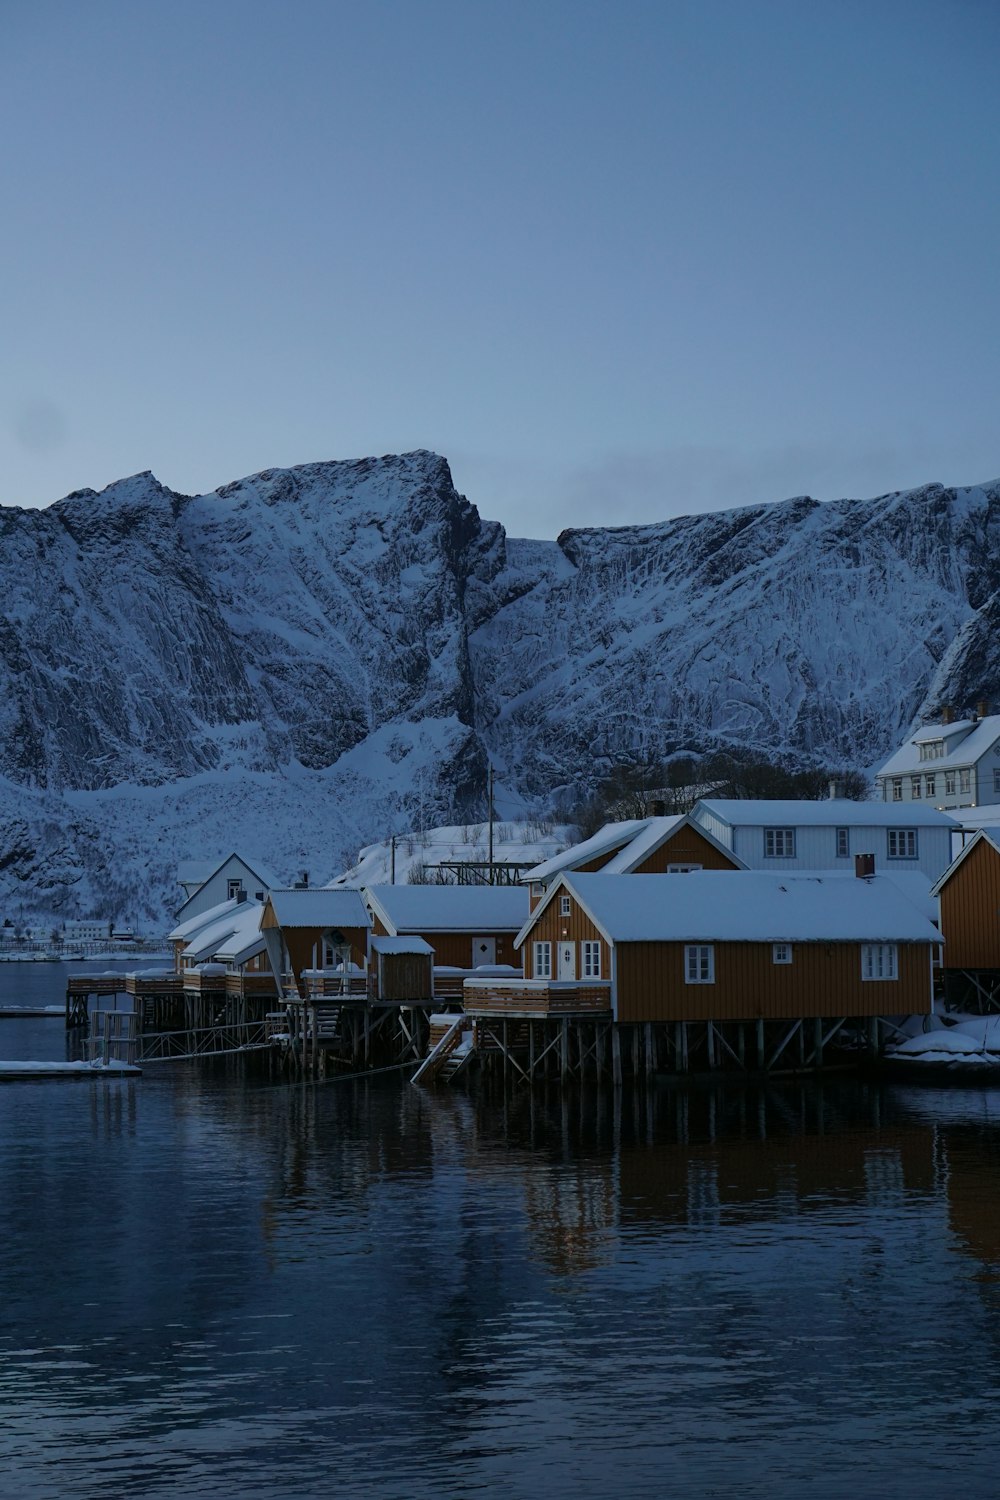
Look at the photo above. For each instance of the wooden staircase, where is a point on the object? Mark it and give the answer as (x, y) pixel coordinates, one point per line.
(450, 1050)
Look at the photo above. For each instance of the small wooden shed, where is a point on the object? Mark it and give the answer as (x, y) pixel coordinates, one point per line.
(401, 969)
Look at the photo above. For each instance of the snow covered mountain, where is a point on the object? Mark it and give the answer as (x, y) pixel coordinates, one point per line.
(310, 658)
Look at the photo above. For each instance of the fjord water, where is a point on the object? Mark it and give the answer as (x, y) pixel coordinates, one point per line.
(219, 1283)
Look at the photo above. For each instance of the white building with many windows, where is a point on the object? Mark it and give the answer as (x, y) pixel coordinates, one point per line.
(791, 835)
(949, 765)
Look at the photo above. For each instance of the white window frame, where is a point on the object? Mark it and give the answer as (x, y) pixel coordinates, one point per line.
(949, 783)
(234, 887)
(541, 959)
(699, 963)
(879, 962)
(931, 784)
(996, 778)
(565, 906)
(965, 780)
(590, 959)
(537, 889)
(897, 789)
(843, 843)
(683, 869)
(781, 953)
(916, 785)
(779, 843)
(901, 843)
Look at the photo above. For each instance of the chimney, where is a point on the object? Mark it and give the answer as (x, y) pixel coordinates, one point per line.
(241, 895)
(983, 708)
(659, 809)
(302, 884)
(834, 790)
(864, 866)
(947, 713)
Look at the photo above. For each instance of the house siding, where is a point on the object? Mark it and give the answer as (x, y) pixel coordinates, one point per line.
(970, 911)
(823, 979)
(686, 846)
(816, 847)
(576, 928)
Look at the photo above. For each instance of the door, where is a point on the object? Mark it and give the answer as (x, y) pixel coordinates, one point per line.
(484, 951)
(567, 960)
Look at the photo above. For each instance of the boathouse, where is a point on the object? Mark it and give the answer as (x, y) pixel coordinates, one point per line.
(309, 930)
(640, 846)
(762, 945)
(468, 926)
(969, 897)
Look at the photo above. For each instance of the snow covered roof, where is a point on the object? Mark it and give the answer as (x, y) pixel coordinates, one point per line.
(837, 812)
(914, 884)
(964, 744)
(649, 839)
(206, 942)
(246, 940)
(612, 836)
(753, 906)
(983, 835)
(318, 907)
(208, 918)
(449, 908)
(192, 871)
(400, 945)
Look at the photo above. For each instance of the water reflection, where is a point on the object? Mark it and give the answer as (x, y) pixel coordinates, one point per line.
(218, 1283)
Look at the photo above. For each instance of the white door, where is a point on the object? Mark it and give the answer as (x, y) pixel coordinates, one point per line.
(484, 951)
(567, 960)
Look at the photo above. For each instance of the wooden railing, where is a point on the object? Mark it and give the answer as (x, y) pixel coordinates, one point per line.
(540, 997)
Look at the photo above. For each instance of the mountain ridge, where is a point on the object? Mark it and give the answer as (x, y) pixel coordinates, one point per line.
(305, 659)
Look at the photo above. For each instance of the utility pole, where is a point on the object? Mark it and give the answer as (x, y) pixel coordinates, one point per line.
(392, 876)
(490, 784)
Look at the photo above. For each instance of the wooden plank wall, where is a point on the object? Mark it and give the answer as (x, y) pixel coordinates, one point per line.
(970, 912)
(686, 847)
(823, 979)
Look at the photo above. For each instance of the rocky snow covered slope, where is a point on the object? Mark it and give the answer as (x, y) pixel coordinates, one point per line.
(310, 658)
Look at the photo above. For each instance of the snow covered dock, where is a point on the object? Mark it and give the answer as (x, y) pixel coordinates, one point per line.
(28, 1071)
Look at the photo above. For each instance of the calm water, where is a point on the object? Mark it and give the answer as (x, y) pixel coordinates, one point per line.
(215, 1283)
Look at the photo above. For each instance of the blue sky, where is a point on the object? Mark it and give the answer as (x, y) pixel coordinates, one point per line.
(616, 262)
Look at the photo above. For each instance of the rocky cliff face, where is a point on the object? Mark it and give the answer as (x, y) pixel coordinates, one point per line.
(308, 658)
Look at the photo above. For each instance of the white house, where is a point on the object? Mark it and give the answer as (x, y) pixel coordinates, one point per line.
(949, 765)
(207, 883)
(827, 835)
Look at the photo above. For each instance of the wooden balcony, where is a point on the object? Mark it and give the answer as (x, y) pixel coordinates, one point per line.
(537, 997)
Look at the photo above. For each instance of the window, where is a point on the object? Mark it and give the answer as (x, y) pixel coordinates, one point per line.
(902, 843)
(779, 843)
(258, 896)
(965, 781)
(682, 869)
(781, 953)
(930, 781)
(897, 789)
(537, 889)
(234, 887)
(699, 963)
(949, 783)
(565, 906)
(996, 780)
(932, 750)
(843, 844)
(878, 961)
(915, 788)
(543, 960)
(591, 960)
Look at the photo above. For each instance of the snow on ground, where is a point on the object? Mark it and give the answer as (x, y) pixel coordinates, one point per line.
(417, 855)
(973, 1041)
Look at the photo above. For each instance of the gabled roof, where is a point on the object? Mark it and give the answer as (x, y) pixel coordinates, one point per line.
(186, 930)
(317, 906)
(400, 945)
(752, 906)
(246, 939)
(914, 885)
(213, 868)
(656, 833)
(449, 908)
(612, 836)
(983, 835)
(839, 812)
(964, 743)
